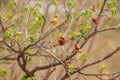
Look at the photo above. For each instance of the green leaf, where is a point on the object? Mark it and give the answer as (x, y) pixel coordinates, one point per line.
(40, 21)
(3, 72)
(56, 15)
(114, 3)
(71, 33)
(74, 15)
(23, 9)
(100, 3)
(102, 67)
(31, 38)
(87, 13)
(7, 34)
(18, 38)
(11, 5)
(55, 2)
(23, 78)
(114, 11)
(83, 56)
(85, 27)
(29, 59)
(34, 25)
(39, 4)
(30, 78)
(109, 4)
(71, 68)
(70, 4)
(18, 33)
(28, 51)
(85, 23)
(77, 34)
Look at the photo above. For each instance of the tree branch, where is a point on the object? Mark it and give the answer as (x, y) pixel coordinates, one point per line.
(93, 63)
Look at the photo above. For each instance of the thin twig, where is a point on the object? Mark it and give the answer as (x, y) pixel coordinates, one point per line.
(93, 63)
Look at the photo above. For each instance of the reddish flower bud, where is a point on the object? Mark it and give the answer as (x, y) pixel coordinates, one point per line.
(95, 20)
(77, 48)
(61, 41)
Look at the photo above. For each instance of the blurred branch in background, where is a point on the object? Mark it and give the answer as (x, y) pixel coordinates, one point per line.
(3, 4)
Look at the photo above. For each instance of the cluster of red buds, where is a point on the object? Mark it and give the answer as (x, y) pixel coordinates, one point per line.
(61, 41)
(77, 48)
(95, 20)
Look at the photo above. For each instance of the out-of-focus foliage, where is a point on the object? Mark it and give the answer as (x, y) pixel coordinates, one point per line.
(43, 34)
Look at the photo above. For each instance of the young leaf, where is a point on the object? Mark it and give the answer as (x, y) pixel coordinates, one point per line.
(71, 68)
(87, 13)
(77, 34)
(31, 38)
(7, 34)
(114, 11)
(30, 78)
(23, 9)
(100, 3)
(56, 15)
(70, 4)
(55, 2)
(35, 14)
(83, 56)
(23, 78)
(109, 4)
(11, 5)
(3, 72)
(114, 3)
(39, 4)
(71, 33)
(40, 21)
(29, 59)
(103, 68)
(28, 51)
(74, 15)
(85, 27)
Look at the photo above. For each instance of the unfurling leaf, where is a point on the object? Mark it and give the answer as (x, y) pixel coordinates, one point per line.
(55, 2)
(114, 11)
(87, 13)
(3, 72)
(83, 56)
(11, 5)
(103, 68)
(71, 68)
(39, 4)
(23, 9)
(70, 4)
(7, 34)
(40, 21)
(31, 38)
(23, 78)
(30, 78)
